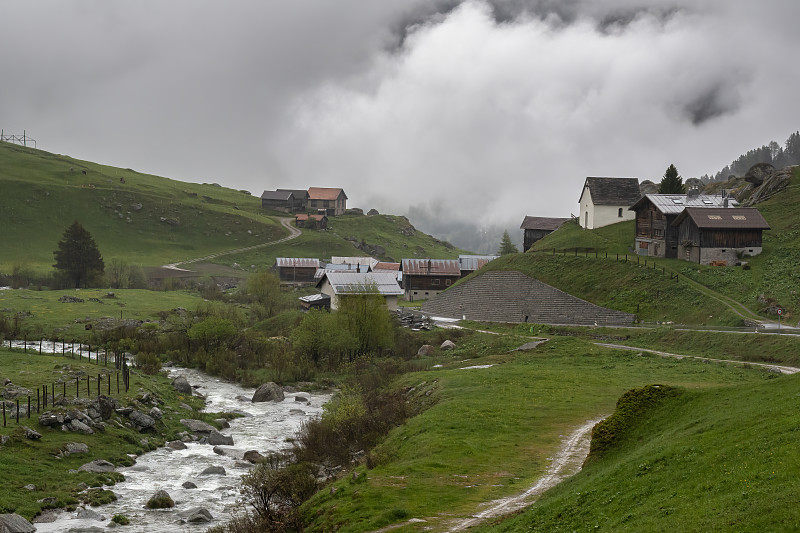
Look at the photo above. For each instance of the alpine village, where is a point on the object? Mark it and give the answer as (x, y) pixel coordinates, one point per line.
(178, 356)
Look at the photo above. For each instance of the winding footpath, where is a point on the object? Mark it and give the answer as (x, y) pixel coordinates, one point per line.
(285, 222)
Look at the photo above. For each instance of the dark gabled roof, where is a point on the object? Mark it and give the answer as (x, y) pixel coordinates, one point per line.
(723, 218)
(542, 223)
(276, 195)
(612, 191)
(298, 193)
(431, 267)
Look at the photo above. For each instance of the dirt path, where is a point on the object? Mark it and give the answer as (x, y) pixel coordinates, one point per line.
(285, 222)
(567, 462)
(778, 368)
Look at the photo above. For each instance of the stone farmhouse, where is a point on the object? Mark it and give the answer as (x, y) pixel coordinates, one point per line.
(718, 236)
(605, 201)
(655, 235)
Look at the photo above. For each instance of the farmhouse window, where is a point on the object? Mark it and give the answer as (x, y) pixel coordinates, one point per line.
(434, 282)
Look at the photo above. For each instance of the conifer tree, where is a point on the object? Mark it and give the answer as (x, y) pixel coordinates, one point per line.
(671, 183)
(78, 259)
(506, 246)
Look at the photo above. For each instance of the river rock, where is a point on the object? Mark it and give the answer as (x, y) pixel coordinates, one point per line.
(142, 421)
(88, 514)
(196, 515)
(181, 385)
(75, 447)
(252, 456)
(14, 523)
(214, 471)
(176, 445)
(188, 485)
(301, 399)
(425, 349)
(297, 412)
(448, 345)
(31, 434)
(215, 438)
(268, 392)
(222, 422)
(160, 500)
(198, 426)
(98, 466)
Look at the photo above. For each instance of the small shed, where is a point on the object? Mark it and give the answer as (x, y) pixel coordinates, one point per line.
(425, 278)
(315, 301)
(338, 285)
(719, 236)
(296, 269)
(303, 220)
(536, 228)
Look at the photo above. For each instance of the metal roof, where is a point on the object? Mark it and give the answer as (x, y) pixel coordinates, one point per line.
(612, 191)
(428, 267)
(339, 268)
(364, 283)
(276, 195)
(724, 218)
(324, 193)
(382, 265)
(298, 193)
(296, 262)
(674, 204)
(474, 262)
(314, 298)
(542, 223)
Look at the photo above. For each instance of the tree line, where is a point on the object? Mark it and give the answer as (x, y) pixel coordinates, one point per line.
(772, 153)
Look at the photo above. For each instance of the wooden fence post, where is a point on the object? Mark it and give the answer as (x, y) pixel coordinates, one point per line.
(4, 413)
(38, 405)
(77, 387)
(29, 406)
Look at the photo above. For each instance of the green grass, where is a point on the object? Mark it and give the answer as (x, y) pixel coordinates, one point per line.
(24, 462)
(626, 286)
(720, 459)
(47, 314)
(615, 238)
(491, 430)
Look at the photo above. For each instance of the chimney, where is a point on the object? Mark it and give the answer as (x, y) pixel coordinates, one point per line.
(429, 266)
(694, 192)
(725, 202)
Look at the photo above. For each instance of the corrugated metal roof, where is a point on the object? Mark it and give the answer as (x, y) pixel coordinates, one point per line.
(298, 193)
(426, 267)
(612, 191)
(297, 262)
(364, 283)
(276, 195)
(722, 218)
(339, 268)
(382, 265)
(324, 193)
(363, 260)
(542, 223)
(474, 262)
(673, 204)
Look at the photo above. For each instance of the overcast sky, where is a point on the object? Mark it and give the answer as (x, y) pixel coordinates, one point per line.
(449, 110)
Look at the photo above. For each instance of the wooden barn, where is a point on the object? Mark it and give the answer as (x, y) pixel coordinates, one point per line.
(296, 269)
(655, 235)
(470, 263)
(332, 201)
(302, 220)
(425, 278)
(719, 236)
(536, 228)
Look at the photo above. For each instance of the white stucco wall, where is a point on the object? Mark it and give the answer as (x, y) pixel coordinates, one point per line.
(596, 216)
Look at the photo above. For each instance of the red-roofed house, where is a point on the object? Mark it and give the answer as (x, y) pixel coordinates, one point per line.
(333, 201)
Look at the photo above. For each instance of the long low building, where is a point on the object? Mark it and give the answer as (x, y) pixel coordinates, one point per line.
(339, 285)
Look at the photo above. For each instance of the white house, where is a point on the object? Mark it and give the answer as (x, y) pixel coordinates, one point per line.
(339, 285)
(606, 201)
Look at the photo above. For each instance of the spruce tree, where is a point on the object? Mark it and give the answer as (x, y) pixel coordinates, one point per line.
(671, 183)
(78, 259)
(506, 246)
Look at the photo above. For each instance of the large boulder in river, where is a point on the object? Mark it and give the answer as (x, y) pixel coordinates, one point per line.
(198, 426)
(268, 392)
(252, 456)
(181, 385)
(196, 515)
(214, 471)
(98, 466)
(14, 523)
(160, 500)
(215, 438)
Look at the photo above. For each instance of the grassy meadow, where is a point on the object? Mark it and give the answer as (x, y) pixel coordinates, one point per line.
(490, 431)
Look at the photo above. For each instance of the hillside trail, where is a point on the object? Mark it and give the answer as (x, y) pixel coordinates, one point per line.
(285, 222)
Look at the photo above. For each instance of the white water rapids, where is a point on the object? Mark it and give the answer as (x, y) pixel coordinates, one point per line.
(265, 427)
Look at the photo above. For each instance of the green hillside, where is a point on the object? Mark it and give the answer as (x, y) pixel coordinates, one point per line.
(722, 459)
(771, 279)
(150, 220)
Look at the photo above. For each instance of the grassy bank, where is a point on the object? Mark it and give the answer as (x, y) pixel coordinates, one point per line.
(490, 432)
(39, 462)
(719, 459)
